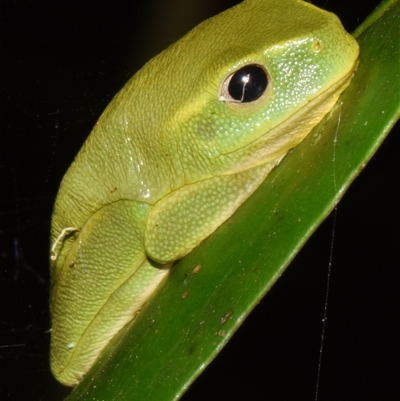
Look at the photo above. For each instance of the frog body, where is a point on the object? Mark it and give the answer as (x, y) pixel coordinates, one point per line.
(187, 140)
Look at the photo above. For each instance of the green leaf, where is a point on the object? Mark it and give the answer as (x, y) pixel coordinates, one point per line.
(206, 297)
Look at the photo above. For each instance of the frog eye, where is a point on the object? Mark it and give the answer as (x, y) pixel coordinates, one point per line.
(245, 85)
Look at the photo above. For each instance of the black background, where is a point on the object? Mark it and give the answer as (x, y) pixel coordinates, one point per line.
(61, 64)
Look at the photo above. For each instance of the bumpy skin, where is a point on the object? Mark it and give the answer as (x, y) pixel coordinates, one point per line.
(170, 160)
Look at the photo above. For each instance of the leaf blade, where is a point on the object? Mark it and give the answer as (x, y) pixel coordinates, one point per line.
(210, 305)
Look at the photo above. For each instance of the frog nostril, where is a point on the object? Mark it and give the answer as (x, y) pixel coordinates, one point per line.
(316, 46)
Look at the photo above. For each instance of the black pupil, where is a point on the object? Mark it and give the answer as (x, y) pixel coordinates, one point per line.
(248, 83)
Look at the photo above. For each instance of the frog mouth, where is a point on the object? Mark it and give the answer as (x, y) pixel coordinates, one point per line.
(274, 144)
